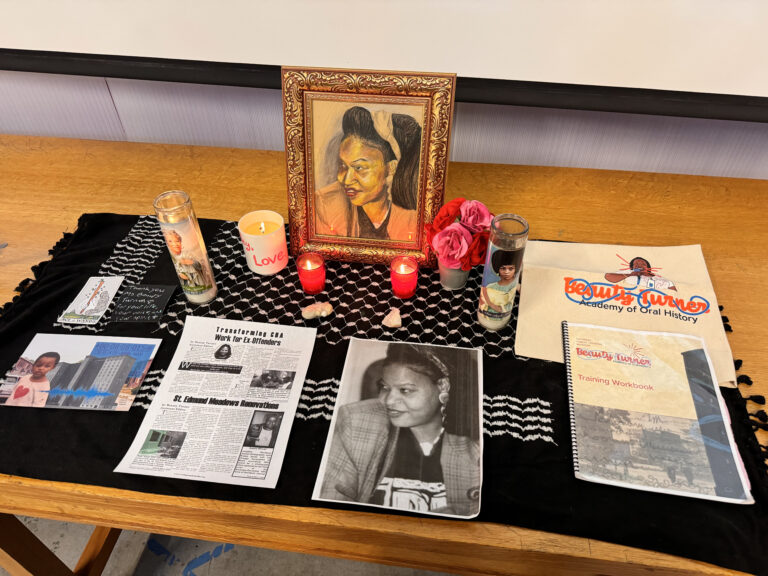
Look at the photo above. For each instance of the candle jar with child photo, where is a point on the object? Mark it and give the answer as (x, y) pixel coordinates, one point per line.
(503, 261)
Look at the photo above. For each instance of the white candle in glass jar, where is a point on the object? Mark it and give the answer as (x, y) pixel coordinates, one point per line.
(263, 235)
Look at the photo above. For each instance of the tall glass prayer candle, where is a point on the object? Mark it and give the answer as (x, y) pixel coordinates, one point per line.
(503, 261)
(185, 244)
(311, 268)
(404, 273)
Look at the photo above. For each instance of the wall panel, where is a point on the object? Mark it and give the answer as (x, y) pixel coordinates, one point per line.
(199, 114)
(57, 105)
(211, 115)
(582, 139)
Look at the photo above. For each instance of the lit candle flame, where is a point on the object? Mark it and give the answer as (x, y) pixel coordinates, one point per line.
(311, 262)
(262, 229)
(403, 269)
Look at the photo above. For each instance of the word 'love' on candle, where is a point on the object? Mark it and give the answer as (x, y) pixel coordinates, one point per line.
(404, 273)
(311, 268)
(263, 235)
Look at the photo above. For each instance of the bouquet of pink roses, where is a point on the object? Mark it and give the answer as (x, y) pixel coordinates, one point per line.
(459, 233)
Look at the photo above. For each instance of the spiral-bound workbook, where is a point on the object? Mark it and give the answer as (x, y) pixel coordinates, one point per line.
(646, 414)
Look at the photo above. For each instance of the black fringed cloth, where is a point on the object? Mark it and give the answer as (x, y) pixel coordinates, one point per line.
(528, 472)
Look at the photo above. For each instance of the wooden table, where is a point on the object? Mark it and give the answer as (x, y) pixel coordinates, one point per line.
(46, 183)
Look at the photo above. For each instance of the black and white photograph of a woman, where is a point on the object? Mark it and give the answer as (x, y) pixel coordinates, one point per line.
(406, 431)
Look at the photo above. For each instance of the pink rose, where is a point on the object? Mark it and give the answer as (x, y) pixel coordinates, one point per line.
(475, 216)
(445, 216)
(451, 244)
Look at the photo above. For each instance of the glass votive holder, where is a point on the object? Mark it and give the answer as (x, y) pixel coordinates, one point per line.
(404, 272)
(311, 267)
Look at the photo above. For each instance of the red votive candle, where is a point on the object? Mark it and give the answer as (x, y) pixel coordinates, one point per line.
(404, 272)
(311, 272)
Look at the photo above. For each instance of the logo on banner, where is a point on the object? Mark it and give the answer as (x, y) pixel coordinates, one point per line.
(636, 287)
(632, 356)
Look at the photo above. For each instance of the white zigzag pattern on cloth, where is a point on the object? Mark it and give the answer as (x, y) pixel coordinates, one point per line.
(488, 415)
(429, 318)
(528, 409)
(526, 428)
(524, 438)
(493, 409)
(149, 388)
(317, 404)
(132, 257)
(316, 399)
(502, 397)
(535, 427)
(326, 411)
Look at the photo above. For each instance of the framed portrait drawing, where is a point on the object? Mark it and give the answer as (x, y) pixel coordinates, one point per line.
(366, 157)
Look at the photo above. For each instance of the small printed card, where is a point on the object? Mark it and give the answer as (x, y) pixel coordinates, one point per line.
(93, 300)
(142, 302)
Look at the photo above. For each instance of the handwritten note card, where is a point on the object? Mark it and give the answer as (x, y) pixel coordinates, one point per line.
(142, 303)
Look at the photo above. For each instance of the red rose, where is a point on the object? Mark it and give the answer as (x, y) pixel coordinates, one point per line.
(446, 215)
(476, 252)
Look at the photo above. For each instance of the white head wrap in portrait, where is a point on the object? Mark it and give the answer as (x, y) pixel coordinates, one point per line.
(382, 122)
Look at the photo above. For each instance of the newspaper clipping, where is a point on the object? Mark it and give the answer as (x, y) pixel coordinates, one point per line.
(224, 410)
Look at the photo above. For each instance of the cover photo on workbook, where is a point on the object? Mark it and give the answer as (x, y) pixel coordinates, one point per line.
(646, 414)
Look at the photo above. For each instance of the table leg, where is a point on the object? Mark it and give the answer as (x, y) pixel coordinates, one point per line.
(96, 553)
(22, 554)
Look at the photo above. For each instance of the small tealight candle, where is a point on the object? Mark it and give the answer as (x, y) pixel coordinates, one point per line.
(404, 272)
(311, 268)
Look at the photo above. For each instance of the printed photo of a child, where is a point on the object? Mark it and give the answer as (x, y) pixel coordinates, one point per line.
(32, 389)
(78, 372)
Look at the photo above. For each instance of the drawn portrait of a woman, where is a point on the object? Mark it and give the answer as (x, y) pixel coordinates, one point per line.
(368, 186)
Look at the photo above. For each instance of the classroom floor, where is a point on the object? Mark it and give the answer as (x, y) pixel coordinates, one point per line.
(141, 554)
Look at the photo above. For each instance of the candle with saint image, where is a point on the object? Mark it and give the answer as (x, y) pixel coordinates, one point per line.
(404, 273)
(311, 268)
(263, 235)
(181, 231)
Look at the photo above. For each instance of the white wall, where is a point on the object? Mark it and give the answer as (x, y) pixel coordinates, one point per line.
(145, 111)
(711, 46)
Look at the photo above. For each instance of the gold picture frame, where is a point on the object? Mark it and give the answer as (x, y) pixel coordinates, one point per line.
(366, 155)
